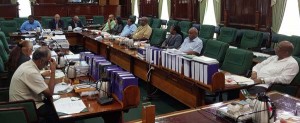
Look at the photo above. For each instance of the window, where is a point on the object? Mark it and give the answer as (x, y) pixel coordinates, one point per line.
(24, 8)
(164, 13)
(136, 11)
(209, 17)
(290, 24)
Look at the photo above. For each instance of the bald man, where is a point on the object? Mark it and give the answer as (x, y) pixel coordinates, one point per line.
(192, 45)
(110, 24)
(281, 68)
(144, 31)
(56, 23)
(75, 22)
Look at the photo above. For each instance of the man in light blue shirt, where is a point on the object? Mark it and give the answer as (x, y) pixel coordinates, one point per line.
(129, 28)
(192, 45)
(30, 24)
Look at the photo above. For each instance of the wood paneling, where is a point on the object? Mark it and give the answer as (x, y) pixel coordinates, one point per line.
(4, 1)
(87, 10)
(185, 10)
(250, 14)
(149, 8)
(49, 10)
(9, 11)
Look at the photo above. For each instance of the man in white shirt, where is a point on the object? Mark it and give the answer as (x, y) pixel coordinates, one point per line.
(281, 68)
(192, 45)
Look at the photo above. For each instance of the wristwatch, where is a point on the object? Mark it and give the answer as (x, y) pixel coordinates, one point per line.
(262, 80)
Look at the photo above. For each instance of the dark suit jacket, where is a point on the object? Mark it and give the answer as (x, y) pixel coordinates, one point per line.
(72, 23)
(52, 24)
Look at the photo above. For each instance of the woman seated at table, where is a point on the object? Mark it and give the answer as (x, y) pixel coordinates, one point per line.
(118, 27)
(175, 38)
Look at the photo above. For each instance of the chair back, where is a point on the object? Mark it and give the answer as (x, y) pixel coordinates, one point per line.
(156, 23)
(227, 35)
(98, 20)
(82, 19)
(3, 53)
(171, 23)
(185, 26)
(216, 49)
(13, 115)
(20, 21)
(66, 21)
(4, 41)
(45, 21)
(4, 92)
(207, 31)
(251, 39)
(8, 26)
(157, 37)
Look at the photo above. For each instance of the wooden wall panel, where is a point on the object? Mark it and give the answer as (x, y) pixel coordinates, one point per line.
(9, 11)
(88, 10)
(4, 1)
(49, 10)
(185, 10)
(110, 9)
(251, 14)
(149, 8)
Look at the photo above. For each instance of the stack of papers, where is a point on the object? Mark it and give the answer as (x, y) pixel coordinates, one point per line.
(236, 79)
(59, 37)
(62, 88)
(69, 106)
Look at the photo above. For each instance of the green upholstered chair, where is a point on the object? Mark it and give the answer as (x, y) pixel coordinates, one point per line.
(124, 22)
(4, 41)
(171, 23)
(157, 37)
(29, 105)
(237, 61)
(251, 39)
(296, 42)
(8, 26)
(20, 21)
(150, 20)
(207, 31)
(3, 53)
(4, 94)
(2, 19)
(156, 23)
(185, 35)
(185, 26)
(14, 115)
(45, 21)
(66, 21)
(216, 49)
(133, 17)
(82, 19)
(204, 42)
(290, 89)
(227, 35)
(98, 20)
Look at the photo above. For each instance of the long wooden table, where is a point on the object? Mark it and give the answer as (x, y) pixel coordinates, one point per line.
(184, 89)
(208, 114)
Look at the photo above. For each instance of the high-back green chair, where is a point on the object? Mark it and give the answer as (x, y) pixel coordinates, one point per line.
(2, 19)
(237, 61)
(185, 26)
(13, 115)
(3, 53)
(207, 31)
(290, 89)
(98, 20)
(66, 21)
(204, 42)
(227, 35)
(133, 17)
(20, 21)
(150, 20)
(8, 26)
(156, 23)
(296, 42)
(216, 49)
(251, 39)
(45, 21)
(124, 22)
(157, 37)
(4, 92)
(29, 105)
(171, 23)
(82, 19)
(4, 41)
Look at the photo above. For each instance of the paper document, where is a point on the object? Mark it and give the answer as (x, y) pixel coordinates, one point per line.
(69, 106)
(62, 88)
(236, 79)
(59, 37)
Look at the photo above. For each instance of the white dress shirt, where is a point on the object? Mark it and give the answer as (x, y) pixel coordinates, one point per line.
(191, 45)
(273, 70)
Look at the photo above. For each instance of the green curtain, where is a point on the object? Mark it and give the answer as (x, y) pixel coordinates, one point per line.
(203, 5)
(132, 6)
(169, 7)
(277, 14)
(160, 4)
(217, 9)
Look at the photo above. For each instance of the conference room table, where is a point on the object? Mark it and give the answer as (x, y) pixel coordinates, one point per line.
(208, 114)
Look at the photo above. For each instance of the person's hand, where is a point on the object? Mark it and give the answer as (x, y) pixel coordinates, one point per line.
(108, 20)
(46, 73)
(52, 65)
(253, 75)
(257, 81)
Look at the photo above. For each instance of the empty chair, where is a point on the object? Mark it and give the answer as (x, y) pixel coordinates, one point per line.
(157, 37)
(45, 21)
(185, 26)
(156, 23)
(98, 20)
(171, 23)
(150, 20)
(216, 49)
(227, 35)
(28, 105)
(13, 115)
(237, 61)
(207, 31)
(82, 19)
(8, 26)
(20, 21)
(2, 19)
(251, 39)
(4, 41)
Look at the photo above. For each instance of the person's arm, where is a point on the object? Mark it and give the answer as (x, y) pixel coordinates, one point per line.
(288, 74)
(258, 66)
(196, 50)
(49, 91)
(177, 43)
(147, 34)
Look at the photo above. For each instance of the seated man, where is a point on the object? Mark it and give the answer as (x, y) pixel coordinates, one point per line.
(56, 23)
(28, 83)
(281, 68)
(75, 22)
(30, 24)
(110, 24)
(129, 28)
(144, 31)
(192, 45)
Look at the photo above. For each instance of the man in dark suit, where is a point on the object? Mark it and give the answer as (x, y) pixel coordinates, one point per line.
(75, 22)
(56, 23)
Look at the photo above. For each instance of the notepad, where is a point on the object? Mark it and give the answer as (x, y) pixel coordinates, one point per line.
(68, 106)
